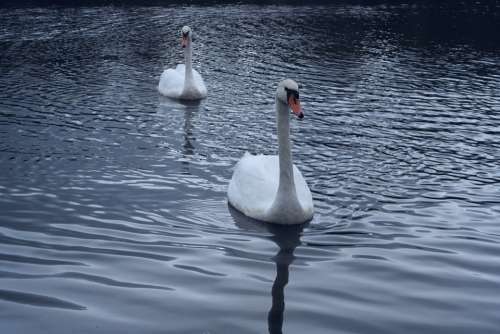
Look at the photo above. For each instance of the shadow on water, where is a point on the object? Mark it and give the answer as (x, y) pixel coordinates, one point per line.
(287, 238)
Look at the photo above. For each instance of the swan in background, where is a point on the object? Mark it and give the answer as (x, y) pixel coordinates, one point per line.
(183, 82)
(269, 187)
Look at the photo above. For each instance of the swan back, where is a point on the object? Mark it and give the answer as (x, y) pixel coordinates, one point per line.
(255, 183)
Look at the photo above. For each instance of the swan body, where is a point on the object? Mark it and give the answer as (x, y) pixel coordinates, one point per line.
(269, 187)
(183, 82)
(254, 186)
(172, 84)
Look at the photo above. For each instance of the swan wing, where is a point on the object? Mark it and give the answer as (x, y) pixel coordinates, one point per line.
(303, 193)
(181, 68)
(254, 184)
(199, 83)
(172, 81)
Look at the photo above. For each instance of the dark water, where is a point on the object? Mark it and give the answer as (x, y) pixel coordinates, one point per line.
(113, 209)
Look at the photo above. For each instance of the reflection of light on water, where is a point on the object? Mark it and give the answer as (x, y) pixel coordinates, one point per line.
(101, 178)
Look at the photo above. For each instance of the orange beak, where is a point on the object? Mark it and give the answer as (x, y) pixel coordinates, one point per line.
(294, 104)
(184, 42)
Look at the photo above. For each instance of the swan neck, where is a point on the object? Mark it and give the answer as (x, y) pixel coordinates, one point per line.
(286, 182)
(188, 54)
(285, 208)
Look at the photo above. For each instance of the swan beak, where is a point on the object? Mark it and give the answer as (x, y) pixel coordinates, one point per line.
(294, 104)
(184, 41)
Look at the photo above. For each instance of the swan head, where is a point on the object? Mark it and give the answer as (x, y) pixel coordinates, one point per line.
(288, 93)
(186, 34)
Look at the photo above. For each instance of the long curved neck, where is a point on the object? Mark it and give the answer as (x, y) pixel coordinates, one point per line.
(286, 183)
(285, 208)
(188, 53)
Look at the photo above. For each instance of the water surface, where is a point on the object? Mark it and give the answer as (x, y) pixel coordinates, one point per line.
(113, 208)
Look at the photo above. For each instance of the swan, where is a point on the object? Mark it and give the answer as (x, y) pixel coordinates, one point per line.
(268, 187)
(183, 82)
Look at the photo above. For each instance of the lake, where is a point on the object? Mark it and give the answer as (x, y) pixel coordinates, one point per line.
(113, 206)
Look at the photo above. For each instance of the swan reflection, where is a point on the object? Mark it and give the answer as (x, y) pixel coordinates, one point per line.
(287, 237)
(189, 109)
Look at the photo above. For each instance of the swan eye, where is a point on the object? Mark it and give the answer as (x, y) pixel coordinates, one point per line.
(291, 92)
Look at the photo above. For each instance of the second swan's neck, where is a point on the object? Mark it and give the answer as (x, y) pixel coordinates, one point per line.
(285, 208)
(188, 76)
(286, 183)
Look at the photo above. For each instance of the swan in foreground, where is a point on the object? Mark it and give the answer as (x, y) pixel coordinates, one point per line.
(269, 187)
(183, 82)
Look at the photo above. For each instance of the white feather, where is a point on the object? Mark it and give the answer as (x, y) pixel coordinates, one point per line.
(254, 185)
(172, 83)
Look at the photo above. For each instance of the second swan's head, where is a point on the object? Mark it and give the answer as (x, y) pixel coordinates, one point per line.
(288, 93)
(186, 36)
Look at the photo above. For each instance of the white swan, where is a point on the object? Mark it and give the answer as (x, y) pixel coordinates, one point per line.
(268, 187)
(183, 82)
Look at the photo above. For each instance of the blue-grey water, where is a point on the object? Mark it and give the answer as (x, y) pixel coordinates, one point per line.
(113, 208)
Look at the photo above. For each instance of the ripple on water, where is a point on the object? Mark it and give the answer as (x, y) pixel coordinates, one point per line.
(113, 204)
